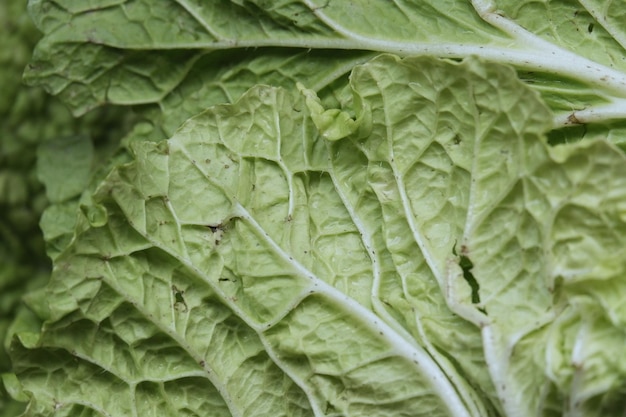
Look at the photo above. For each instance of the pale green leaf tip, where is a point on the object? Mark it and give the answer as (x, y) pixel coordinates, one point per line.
(333, 124)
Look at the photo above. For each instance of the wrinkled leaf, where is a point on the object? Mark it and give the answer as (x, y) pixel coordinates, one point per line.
(444, 261)
(141, 52)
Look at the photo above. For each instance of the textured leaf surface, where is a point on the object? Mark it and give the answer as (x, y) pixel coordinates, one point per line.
(141, 52)
(439, 260)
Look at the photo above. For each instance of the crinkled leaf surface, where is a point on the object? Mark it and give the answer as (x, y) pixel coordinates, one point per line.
(140, 52)
(441, 259)
(28, 118)
(215, 78)
(222, 77)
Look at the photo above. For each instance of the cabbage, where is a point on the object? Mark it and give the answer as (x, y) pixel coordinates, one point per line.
(422, 215)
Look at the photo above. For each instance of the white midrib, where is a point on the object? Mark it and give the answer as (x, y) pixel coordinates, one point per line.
(414, 354)
(523, 49)
(520, 48)
(528, 51)
(207, 372)
(555, 61)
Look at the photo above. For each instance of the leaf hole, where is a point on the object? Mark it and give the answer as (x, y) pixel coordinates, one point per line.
(467, 265)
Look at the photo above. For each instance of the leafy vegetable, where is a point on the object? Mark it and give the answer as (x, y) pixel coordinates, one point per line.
(329, 230)
(33, 124)
(247, 228)
(573, 53)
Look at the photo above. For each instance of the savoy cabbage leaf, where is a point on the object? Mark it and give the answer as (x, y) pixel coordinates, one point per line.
(440, 259)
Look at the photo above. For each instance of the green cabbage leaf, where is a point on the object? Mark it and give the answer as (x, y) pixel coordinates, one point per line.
(417, 249)
(313, 208)
(146, 52)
